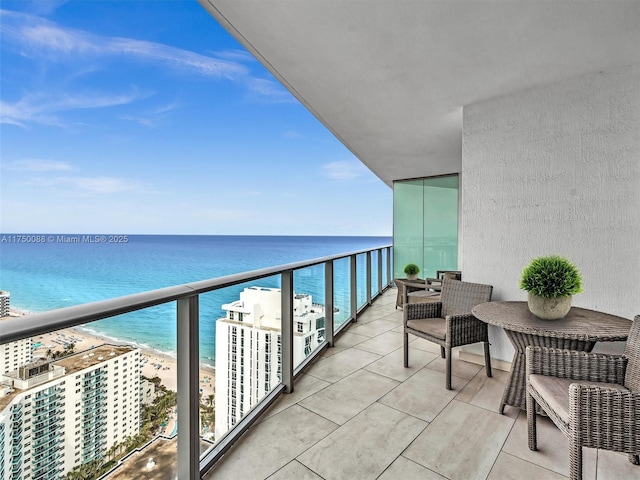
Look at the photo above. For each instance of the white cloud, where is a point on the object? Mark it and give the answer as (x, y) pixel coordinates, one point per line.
(83, 185)
(268, 90)
(36, 165)
(344, 170)
(36, 36)
(39, 38)
(41, 108)
(292, 134)
(102, 184)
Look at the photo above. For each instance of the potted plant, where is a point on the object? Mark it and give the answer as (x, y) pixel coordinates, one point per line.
(550, 282)
(411, 270)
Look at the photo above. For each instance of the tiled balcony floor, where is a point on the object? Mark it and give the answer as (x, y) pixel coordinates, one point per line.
(357, 413)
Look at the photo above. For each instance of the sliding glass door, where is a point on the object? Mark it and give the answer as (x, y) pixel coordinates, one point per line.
(425, 225)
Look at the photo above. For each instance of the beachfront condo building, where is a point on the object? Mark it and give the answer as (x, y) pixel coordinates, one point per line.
(56, 415)
(14, 354)
(4, 303)
(249, 349)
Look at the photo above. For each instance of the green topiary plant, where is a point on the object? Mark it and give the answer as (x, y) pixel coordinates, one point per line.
(551, 276)
(411, 269)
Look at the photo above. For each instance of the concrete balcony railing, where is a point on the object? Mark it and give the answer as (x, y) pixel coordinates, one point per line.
(362, 288)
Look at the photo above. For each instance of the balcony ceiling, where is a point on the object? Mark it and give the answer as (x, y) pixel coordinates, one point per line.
(390, 78)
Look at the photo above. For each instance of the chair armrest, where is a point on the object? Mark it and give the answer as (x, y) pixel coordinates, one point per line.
(413, 311)
(413, 286)
(575, 365)
(605, 417)
(465, 329)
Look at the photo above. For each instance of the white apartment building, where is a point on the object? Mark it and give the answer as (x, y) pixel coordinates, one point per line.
(55, 415)
(4, 303)
(14, 354)
(249, 349)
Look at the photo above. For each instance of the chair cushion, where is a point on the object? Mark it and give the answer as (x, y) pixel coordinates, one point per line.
(556, 391)
(435, 327)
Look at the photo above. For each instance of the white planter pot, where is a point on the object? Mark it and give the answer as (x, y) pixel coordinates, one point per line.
(549, 308)
(412, 277)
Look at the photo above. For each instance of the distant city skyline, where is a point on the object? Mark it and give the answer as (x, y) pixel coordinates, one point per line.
(148, 118)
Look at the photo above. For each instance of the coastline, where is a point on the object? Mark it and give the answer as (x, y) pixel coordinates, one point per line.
(156, 363)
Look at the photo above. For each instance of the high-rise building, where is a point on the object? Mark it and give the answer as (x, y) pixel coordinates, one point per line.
(56, 415)
(14, 354)
(249, 349)
(4, 303)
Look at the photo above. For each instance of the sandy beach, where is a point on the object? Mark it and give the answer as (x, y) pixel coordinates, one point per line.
(156, 364)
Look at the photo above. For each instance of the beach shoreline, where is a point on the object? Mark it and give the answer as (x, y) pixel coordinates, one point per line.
(155, 363)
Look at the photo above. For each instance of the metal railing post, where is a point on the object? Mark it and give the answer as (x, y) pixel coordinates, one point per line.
(389, 276)
(353, 287)
(379, 271)
(188, 356)
(328, 302)
(287, 329)
(368, 280)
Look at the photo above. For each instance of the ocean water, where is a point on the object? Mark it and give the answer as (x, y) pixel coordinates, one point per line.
(49, 272)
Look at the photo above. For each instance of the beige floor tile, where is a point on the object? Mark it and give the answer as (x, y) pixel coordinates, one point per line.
(346, 398)
(304, 386)
(422, 344)
(383, 344)
(462, 443)
(423, 395)
(364, 446)
(340, 365)
(616, 466)
(508, 467)
(553, 447)
(349, 339)
(344, 341)
(405, 469)
(294, 471)
(257, 455)
(395, 316)
(373, 328)
(486, 392)
(459, 368)
(392, 365)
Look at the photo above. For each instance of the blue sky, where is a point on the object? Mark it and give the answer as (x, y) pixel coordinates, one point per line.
(147, 117)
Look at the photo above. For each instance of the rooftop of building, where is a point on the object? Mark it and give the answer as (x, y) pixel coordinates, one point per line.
(74, 363)
(88, 358)
(155, 461)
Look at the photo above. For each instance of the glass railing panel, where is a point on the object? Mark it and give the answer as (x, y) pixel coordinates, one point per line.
(240, 353)
(374, 272)
(384, 253)
(341, 292)
(361, 266)
(308, 312)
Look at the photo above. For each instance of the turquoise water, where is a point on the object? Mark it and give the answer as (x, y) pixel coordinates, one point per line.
(55, 274)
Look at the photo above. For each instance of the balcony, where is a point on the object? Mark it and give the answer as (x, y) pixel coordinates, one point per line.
(354, 410)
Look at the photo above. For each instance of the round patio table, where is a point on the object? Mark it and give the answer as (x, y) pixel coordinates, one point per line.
(579, 330)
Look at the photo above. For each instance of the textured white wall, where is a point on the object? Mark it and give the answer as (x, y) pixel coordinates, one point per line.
(556, 169)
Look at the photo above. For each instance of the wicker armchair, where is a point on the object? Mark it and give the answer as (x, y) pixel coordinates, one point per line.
(449, 322)
(594, 399)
